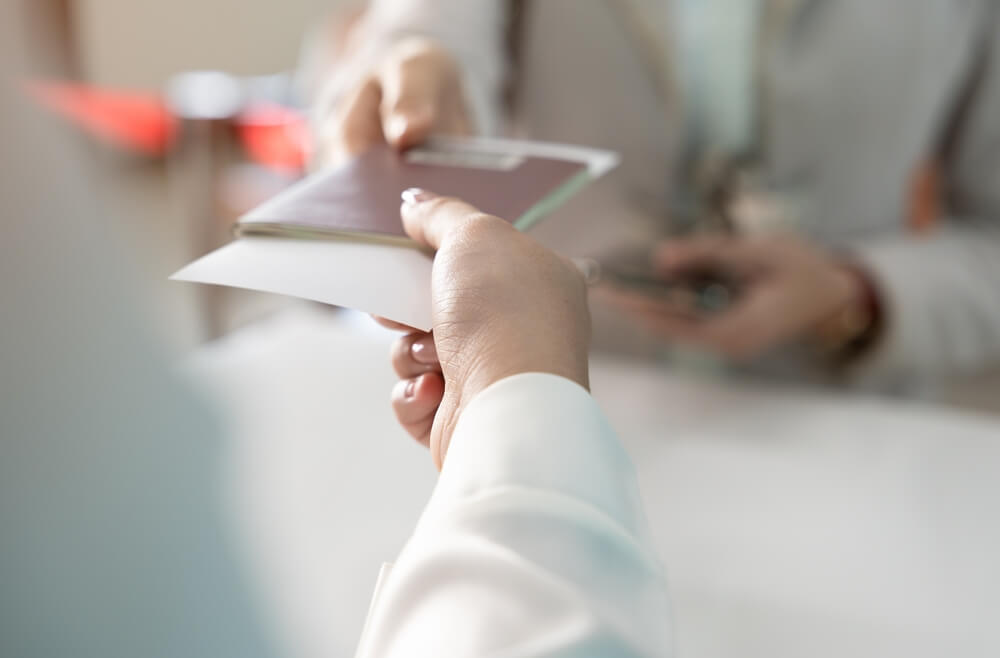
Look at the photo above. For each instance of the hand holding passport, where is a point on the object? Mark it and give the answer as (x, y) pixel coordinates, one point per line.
(337, 237)
(532, 318)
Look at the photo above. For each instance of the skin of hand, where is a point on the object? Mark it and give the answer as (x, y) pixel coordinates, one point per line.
(788, 289)
(502, 305)
(416, 90)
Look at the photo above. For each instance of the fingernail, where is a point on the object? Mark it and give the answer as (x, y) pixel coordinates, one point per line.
(411, 387)
(396, 126)
(411, 119)
(415, 195)
(424, 351)
(590, 269)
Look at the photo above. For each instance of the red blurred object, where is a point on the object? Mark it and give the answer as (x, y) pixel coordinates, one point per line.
(273, 135)
(134, 120)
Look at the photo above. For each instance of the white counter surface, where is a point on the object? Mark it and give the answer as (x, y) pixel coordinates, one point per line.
(791, 523)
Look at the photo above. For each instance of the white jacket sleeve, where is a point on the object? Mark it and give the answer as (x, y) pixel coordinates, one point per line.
(534, 542)
(472, 30)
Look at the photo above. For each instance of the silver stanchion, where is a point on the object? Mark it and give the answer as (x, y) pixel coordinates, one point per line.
(206, 104)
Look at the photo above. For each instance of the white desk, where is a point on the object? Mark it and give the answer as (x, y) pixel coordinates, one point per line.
(792, 524)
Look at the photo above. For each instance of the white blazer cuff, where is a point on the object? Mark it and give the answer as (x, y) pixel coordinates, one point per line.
(543, 432)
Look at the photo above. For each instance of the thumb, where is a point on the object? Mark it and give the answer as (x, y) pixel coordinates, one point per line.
(430, 219)
(412, 83)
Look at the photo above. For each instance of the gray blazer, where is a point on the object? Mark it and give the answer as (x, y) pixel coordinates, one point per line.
(860, 94)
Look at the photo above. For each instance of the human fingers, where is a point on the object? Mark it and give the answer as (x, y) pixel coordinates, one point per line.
(393, 325)
(430, 219)
(741, 332)
(673, 300)
(414, 82)
(752, 326)
(661, 317)
(415, 354)
(710, 252)
(415, 401)
(355, 127)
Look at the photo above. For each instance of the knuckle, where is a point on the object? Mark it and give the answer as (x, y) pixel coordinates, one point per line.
(478, 226)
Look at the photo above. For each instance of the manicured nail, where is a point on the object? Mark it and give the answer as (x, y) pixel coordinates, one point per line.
(424, 351)
(415, 195)
(411, 387)
(396, 126)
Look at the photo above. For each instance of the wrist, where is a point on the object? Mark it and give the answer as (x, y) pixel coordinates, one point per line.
(855, 325)
(470, 379)
(492, 366)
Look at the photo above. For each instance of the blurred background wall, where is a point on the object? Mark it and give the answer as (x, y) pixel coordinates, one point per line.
(161, 205)
(140, 43)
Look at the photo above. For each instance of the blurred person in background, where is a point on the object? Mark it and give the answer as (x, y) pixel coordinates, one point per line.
(837, 160)
(114, 539)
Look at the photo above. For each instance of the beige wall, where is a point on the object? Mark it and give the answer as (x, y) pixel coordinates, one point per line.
(140, 43)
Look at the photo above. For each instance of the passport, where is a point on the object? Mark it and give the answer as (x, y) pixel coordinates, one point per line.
(360, 200)
(337, 238)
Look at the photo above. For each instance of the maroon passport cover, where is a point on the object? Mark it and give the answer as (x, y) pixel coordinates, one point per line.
(361, 199)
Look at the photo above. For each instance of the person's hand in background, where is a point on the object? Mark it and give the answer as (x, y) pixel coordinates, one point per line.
(788, 290)
(415, 90)
(503, 305)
